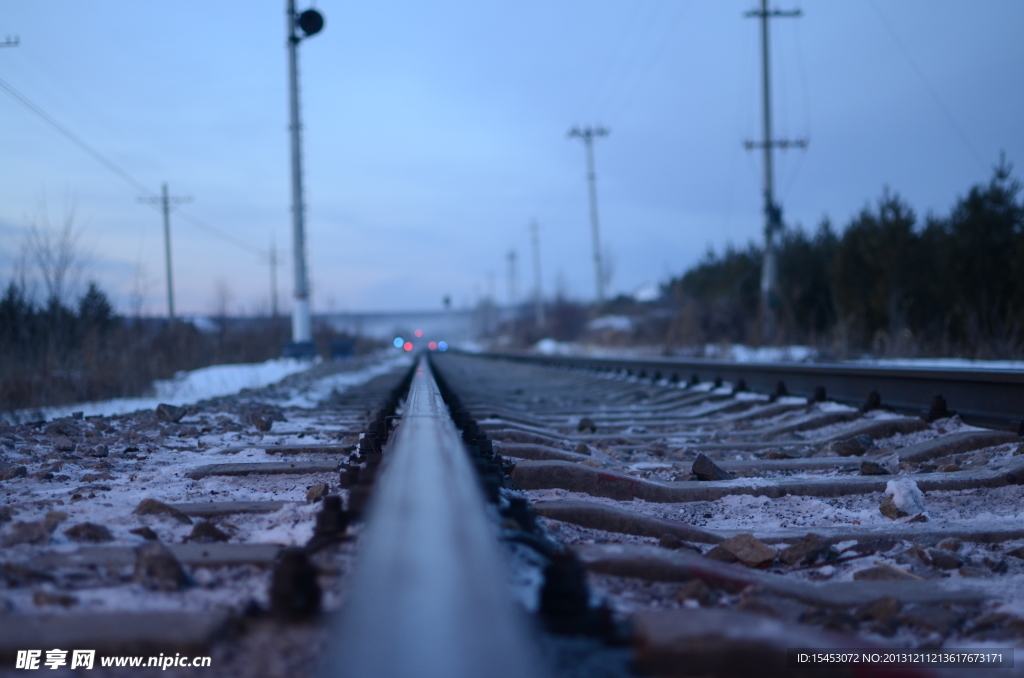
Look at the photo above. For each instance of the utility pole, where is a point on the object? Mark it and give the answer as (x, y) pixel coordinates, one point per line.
(511, 278)
(772, 210)
(588, 134)
(538, 293)
(309, 22)
(166, 202)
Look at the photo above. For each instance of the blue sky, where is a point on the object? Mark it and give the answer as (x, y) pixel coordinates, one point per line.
(434, 133)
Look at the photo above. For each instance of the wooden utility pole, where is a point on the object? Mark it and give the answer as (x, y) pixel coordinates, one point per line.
(772, 210)
(166, 202)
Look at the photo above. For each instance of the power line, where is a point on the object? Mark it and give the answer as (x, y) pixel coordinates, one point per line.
(75, 139)
(626, 71)
(113, 167)
(637, 84)
(927, 85)
(202, 225)
(610, 64)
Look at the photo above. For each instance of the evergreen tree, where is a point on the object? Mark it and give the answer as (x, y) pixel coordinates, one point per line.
(876, 269)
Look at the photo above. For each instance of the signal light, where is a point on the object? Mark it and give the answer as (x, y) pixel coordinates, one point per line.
(408, 346)
(398, 342)
(432, 346)
(418, 333)
(442, 346)
(311, 22)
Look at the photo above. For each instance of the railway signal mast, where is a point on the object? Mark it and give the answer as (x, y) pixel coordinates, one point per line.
(309, 22)
(772, 210)
(587, 135)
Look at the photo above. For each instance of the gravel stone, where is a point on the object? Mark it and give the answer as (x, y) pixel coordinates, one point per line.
(154, 507)
(705, 469)
(156, 568)
(170, 413)
(806, 549)
(89, 532)
(749, 550)
(852, 447)
(207, 532)
(36, 532)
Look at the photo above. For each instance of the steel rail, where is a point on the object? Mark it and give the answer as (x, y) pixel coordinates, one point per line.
(991, 398)
(429, 594)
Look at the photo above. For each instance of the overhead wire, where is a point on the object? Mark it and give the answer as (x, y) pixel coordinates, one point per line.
(927, 85)
(610, 64)
(75, 139)
(116, 169)
(626, 71)
(202, 225)
(790, 179)
(638, 82)
(66, 91)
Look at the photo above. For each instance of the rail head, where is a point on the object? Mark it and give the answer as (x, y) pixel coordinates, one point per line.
(429, 595)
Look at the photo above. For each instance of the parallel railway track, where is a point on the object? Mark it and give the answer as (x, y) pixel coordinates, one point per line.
(652, 517)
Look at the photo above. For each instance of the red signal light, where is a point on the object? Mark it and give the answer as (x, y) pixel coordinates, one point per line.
(408, 346)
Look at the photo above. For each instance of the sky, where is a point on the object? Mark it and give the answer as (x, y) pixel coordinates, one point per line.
(435, 133)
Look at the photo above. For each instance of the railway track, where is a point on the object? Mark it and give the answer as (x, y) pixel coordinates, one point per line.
(471, 515)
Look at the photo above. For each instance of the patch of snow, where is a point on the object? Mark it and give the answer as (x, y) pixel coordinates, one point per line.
(616, 323)
(203, 323)
(552, 347)
(221, 380)
(651, 466)
(319, 390)
(946, 363)
(184, 389)
(906, 495)
(763, 354)
(832, 406)
(647, 292)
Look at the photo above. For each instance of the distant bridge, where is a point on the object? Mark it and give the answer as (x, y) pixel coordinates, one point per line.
(450, 326)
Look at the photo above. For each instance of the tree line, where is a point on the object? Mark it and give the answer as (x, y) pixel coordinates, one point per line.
(67, 350)
(889, 283)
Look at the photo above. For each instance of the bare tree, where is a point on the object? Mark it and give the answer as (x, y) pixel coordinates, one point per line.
(55, 253)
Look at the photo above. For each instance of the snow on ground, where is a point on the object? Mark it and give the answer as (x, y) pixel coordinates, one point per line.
(144, 457)
(762, 354)
(947, 363)
(187, 388)
(311, 394)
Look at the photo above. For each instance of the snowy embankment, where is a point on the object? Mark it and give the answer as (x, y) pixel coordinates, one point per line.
(187, 388)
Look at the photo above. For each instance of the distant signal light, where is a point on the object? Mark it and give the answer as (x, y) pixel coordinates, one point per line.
(442, 346)
(418, 333)
(432, 346)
